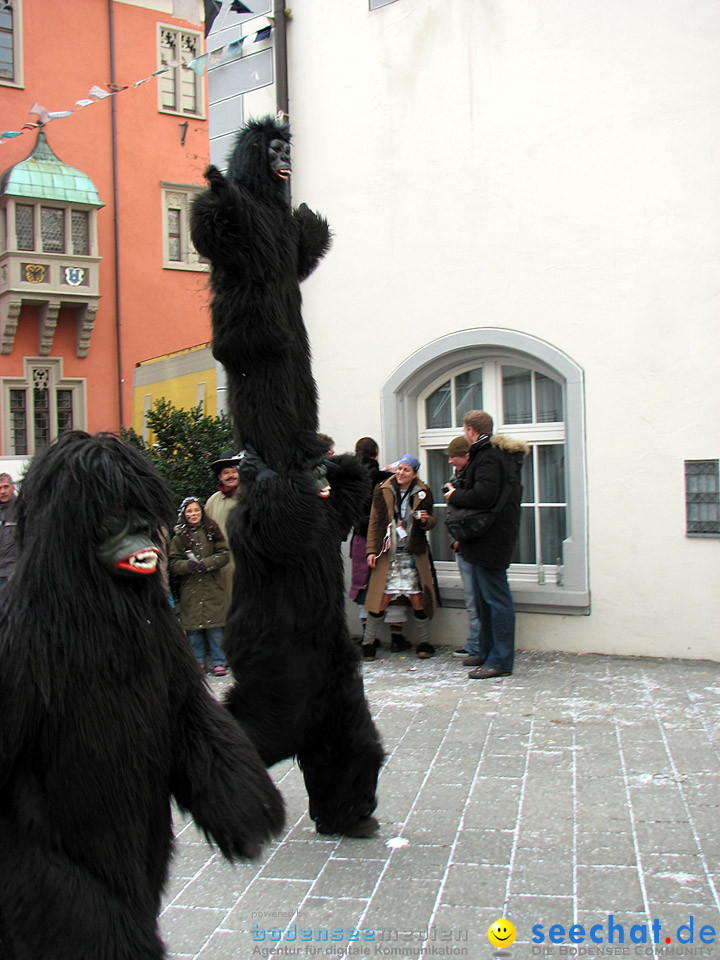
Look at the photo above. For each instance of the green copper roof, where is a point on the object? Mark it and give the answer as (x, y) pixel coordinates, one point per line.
(43, 176)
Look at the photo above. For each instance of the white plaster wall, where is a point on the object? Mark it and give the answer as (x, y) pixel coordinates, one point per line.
(550, 167)
(15, 466)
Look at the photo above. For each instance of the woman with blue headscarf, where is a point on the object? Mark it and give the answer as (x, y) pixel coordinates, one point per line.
(399, 557)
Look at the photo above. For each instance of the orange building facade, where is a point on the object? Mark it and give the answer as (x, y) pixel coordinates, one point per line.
(96, 268)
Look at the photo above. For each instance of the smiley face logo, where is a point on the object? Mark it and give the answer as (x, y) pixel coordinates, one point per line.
(502, 933)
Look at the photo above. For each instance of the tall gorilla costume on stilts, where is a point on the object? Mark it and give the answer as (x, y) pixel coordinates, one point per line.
(104, 715)
(298, 685)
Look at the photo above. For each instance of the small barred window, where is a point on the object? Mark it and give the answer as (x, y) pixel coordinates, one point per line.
(702, 498)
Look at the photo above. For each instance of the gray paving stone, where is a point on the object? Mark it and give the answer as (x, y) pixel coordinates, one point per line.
(609, 888)
(469, 886)
(296, 860)
(188, 928)
(551, 797)
(614, 848)
(350, 879)
(542, 877)
(484, 846)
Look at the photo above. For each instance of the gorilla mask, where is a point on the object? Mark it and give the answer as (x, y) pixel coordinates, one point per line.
(260, 159)
(127, 546)
(279, 158)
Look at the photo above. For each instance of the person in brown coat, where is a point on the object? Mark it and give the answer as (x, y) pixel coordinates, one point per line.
(398, 555)
(198, 553)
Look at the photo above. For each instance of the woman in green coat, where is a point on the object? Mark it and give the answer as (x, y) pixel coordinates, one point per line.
(198, 552)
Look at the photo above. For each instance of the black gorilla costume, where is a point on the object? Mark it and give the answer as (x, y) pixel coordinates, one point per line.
(103, 716)
(298, 686)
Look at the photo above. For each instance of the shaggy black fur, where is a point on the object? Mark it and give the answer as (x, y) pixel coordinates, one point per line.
(104, 716)
(260, 250)
(298, 687)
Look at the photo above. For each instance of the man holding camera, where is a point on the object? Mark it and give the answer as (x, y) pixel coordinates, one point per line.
(494, 463)
(458, 452)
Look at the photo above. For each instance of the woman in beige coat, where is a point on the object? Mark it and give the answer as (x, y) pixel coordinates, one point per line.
(398, 555)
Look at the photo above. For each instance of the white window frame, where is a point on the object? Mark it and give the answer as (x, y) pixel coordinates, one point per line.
(178, 196)
(534, 434)
(57, 381)
(177, 73)
(18, 64)
(557, 591)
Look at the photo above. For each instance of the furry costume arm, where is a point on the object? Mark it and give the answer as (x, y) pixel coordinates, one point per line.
(315, 239)
(218, 775)
(349, 487)
(220, 221)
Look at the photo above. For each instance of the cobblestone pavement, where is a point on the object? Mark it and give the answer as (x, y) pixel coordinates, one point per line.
(582, 792)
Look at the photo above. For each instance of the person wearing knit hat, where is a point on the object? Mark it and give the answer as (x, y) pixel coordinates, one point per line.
(459, 447)
(491, 482)
(398, 555)
(458, 452)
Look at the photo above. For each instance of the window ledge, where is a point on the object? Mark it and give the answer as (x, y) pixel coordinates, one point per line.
(528, 597)
(178, 113)
(195, 267)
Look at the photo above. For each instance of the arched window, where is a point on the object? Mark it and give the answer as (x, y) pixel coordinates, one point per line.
(534, 392)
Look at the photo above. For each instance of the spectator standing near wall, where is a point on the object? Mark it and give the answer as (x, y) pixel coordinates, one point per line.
(8, 522)
(198, 553)
(458, 458)
(366, 450)
(219, 507)
(494, 462)
(398, 554)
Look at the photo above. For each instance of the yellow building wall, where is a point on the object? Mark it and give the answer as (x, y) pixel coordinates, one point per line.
(185, 378)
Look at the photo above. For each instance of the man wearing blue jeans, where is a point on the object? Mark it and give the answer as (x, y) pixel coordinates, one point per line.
(492, 472)
(471, 651)
(458, 453)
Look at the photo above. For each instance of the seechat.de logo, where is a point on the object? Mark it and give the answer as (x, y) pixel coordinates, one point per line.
(610, 932)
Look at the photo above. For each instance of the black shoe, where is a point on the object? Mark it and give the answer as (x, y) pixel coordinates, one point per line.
(460, 652)
(368, 651)
(400, 644)
(425, 651)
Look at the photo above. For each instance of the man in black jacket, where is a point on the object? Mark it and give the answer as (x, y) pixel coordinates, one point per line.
(495, 461)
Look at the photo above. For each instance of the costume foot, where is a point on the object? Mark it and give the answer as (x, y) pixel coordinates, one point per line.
(362, 829)
(487, 673)
(425, 651)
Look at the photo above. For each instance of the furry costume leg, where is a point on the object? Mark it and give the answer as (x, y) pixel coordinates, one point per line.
(298, 690)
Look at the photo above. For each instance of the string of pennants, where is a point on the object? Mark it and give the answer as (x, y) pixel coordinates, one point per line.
(97, 93)
(213, 57)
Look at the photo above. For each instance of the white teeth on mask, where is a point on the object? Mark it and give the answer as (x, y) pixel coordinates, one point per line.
(144, 560)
